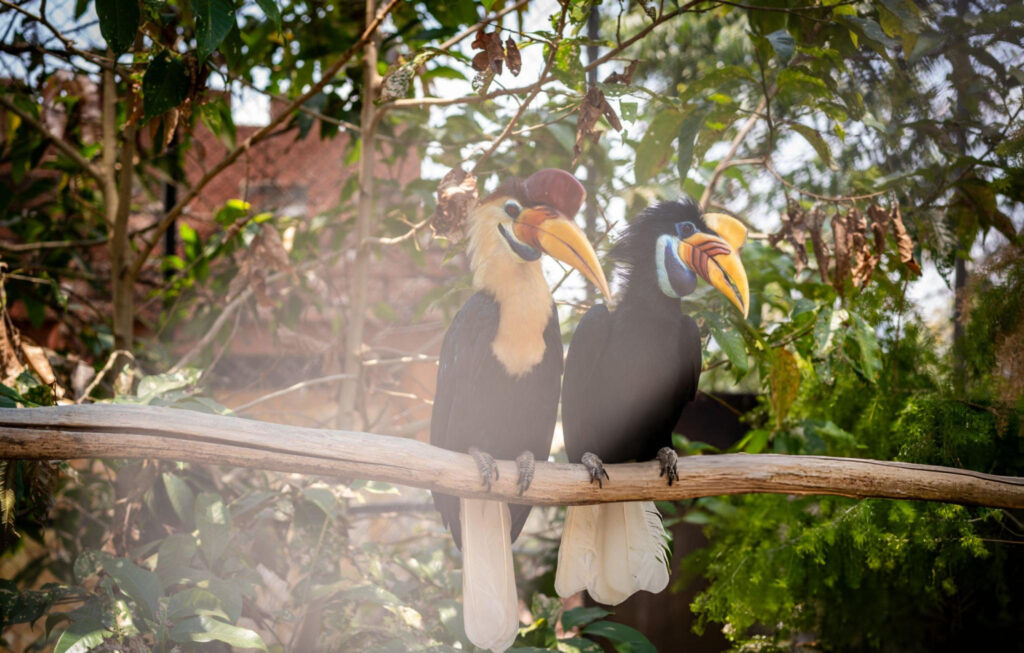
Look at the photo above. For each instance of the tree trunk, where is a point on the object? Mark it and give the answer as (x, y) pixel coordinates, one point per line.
(360, 270)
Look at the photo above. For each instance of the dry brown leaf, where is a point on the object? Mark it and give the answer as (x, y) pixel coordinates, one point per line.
(37, 361)
(864, 261)
(842, 252)
(481, 62)
(456, 196)
(821, 253)
(904, 245)
(513, 57)
(594, 106)
(490, 43)
(879, 225)
(626, 76)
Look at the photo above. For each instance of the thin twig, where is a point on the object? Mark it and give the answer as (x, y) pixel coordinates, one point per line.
(824, 198)
(733, 147)
(103, 372)
(292, 388)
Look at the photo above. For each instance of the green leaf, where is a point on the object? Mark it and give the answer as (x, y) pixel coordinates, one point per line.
(732, 344)
(119, 20)
(322, 498)
(812, 136)
(82, 636)
(164, 86)
(580, 616)
(140, 585)
(175, 553)
(153, 386)
(784, 383)
(753, 442)
(214, 523)
(867, 343)
(656, 145)
(194, 601)
(784, 44)
(182, 498)
(214, 19)
(207, 629)
(621, 634)
(271, 11)
(687, 137)
(487, 4)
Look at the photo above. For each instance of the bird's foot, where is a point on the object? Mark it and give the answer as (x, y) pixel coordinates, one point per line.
(486, 465)
(668, 458)
(595, 467)
(525, 462)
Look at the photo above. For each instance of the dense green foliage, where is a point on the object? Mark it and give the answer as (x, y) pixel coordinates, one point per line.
(813, 111)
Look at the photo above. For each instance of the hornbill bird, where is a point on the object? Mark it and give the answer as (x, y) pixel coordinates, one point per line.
(628, 374)
(499, 378)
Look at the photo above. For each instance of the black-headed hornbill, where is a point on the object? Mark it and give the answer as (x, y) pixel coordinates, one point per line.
(628, 374)
(499, 378)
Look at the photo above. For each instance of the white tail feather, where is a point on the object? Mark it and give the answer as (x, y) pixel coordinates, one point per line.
(489, 603)
(578, 550)
(614, 550)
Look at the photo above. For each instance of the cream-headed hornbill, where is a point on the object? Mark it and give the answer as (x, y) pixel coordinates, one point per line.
(499, 378)
(628, 374)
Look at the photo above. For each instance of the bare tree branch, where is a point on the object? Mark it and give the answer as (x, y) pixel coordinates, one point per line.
(156, 432)
(328, 76)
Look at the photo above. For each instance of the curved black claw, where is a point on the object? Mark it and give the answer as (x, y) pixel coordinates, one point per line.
(525, 463)
(668, 459)
(595, 467)
(486, 465)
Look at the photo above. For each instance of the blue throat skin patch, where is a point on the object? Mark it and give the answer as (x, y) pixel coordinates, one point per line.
(523, 250)
(675, 278)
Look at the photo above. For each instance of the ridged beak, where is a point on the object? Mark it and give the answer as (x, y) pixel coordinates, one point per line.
(554, 234)
(719, 264)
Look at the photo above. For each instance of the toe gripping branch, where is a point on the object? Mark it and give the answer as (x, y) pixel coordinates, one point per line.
(668, 458)
(526, 464)
(595, 467)
(485, 465)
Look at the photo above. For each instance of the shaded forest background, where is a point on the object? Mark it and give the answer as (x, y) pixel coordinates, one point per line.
(161, 246)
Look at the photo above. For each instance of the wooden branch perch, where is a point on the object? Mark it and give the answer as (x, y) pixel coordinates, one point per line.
(120, 431)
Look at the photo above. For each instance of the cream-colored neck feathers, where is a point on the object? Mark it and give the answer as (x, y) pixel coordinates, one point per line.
(518, 286)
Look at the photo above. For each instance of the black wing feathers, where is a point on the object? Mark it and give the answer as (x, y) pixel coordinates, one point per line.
(477, 403)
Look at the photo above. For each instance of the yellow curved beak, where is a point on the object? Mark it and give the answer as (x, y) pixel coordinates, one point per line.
(558, 236)
(719, 264)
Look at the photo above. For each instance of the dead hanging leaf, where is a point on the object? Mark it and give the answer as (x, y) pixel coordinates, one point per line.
(821, 253)
(879, 225)
(626, 76)
(399, 76)
(857, 244)
(482, 80)
(494, 53)
(513, 57)
(456, 196)
(794, 231)
(266, 254)
(594, 106)
(904, 245)
(864, 261)
(842, 251)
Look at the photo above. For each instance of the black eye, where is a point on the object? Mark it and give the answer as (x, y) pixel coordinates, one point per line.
(512, 209)
(685, 229)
